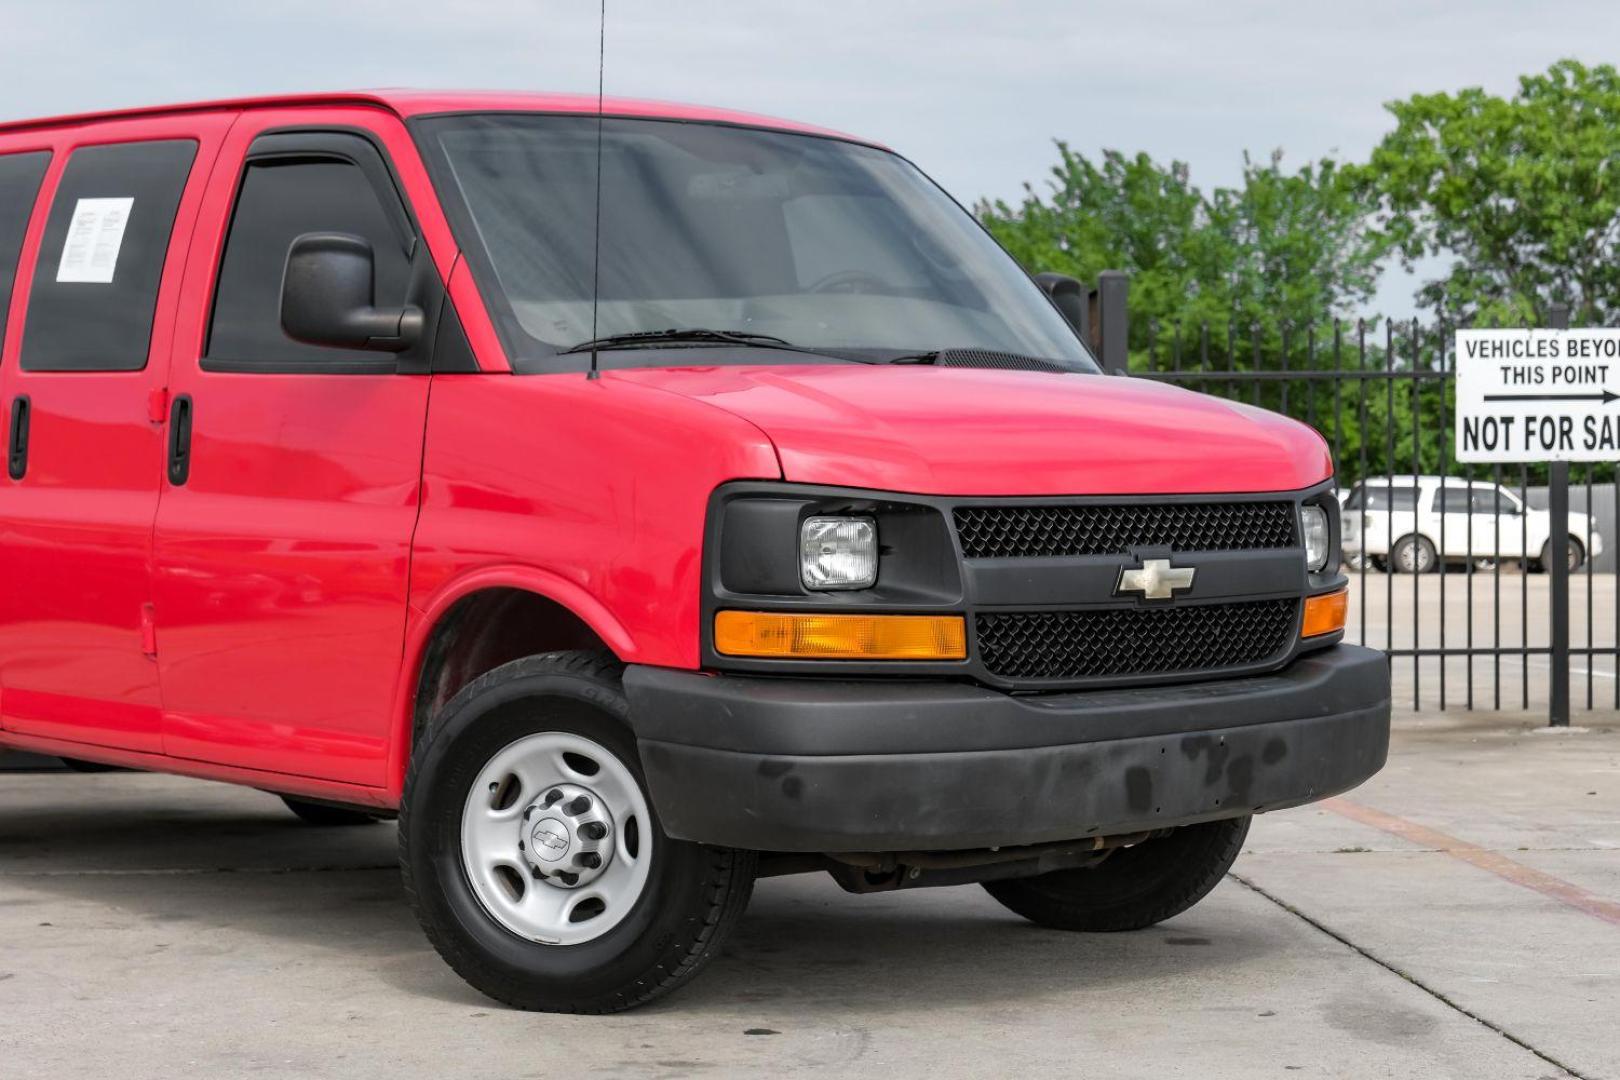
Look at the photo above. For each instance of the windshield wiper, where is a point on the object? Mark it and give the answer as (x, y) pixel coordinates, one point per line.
(702, 335)
(650, 338)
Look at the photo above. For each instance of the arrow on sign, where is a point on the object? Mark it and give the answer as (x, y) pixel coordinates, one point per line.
(1605, 397)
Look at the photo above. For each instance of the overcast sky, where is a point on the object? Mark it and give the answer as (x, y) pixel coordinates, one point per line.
(973, 91)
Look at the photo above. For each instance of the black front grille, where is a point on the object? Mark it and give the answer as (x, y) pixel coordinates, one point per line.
(1113, 642)
(989, 532)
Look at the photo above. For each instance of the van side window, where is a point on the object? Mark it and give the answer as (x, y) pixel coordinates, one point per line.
(279, 200)
(20, 175)
(101, 259)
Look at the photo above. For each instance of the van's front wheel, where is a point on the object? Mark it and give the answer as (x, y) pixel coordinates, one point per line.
(533, 857)
(1134, 887)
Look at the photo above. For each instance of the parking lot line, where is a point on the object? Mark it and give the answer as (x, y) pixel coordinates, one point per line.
(1493, 862)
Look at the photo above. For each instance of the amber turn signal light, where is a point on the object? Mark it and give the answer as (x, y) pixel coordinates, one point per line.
(1325, 614)
(797, 636)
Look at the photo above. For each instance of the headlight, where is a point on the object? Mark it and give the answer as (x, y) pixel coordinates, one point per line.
(1313, 526)
(838, 553)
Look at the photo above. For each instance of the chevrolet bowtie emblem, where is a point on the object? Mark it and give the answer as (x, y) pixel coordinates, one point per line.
(1156, 579)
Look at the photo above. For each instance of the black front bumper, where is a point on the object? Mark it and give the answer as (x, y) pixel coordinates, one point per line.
(833, 765)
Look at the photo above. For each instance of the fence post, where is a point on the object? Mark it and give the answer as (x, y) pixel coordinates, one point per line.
(1113, 287)
(1558, 555)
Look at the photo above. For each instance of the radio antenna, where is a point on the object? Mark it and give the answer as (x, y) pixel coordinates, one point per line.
(596, 257)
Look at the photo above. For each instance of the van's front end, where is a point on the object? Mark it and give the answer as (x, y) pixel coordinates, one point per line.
(888, 672)
(997, 617)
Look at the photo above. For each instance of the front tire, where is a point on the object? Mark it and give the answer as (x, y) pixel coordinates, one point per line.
(1133, 888)
(533, 859)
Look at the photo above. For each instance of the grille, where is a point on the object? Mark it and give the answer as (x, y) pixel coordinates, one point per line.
(1052, 531)
(1101, 643)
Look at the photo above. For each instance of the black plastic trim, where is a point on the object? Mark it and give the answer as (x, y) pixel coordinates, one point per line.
(812, 717)
(17, 438)
(823, 765)
(999, 584)
(338, 144)
(180, 440)
(452, 352)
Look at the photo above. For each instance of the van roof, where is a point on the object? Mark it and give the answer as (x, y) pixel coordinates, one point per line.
(408, 103)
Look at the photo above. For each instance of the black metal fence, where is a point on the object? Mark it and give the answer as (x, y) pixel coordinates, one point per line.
(1478, 625)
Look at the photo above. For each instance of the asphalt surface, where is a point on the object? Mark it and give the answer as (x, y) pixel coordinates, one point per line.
(1459, 916)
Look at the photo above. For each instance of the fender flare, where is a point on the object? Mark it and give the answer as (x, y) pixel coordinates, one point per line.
(422, 621)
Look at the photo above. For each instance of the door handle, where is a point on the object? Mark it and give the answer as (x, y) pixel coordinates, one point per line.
(180, 440)
(17, 453)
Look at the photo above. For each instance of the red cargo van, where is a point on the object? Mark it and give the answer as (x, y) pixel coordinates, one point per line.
(636, 502)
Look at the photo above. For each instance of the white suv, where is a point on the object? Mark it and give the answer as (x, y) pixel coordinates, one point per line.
(1412, 522)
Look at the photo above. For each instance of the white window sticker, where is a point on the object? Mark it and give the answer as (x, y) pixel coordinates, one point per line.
(90, 253)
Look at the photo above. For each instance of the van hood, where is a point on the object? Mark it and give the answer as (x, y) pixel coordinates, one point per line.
(967, 431)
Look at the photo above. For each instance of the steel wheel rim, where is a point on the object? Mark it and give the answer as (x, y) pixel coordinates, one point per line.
(525, 833)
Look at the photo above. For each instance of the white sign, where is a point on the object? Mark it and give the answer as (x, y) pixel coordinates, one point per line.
(1538, 395)
(90, 253)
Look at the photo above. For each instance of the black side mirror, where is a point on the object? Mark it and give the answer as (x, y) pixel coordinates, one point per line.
(328, 295)
(1069, 297)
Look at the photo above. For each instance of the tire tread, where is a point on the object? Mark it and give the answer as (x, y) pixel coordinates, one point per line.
(728, 882)
(1062, 901)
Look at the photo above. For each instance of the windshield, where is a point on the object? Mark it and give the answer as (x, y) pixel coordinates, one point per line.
(791, 239)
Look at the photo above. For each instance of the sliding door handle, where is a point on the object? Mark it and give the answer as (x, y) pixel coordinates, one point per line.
(180, 440)
(17, 451)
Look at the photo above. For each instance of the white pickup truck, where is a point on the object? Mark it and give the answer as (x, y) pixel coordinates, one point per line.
(1411, 523)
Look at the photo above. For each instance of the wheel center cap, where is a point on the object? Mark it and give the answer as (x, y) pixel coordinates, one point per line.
(566, 836)
(549, 839)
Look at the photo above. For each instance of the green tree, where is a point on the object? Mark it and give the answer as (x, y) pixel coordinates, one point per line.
(1286, 249)
(1296, 248)
(1120, 213)
(1523, 194)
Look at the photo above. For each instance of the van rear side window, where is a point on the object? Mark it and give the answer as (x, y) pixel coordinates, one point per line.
(20, 175)
(101, 260)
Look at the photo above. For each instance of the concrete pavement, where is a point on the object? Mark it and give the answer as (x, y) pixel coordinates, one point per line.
(1457, 917)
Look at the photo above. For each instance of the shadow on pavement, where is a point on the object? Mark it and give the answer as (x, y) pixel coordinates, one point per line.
(225, 870)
